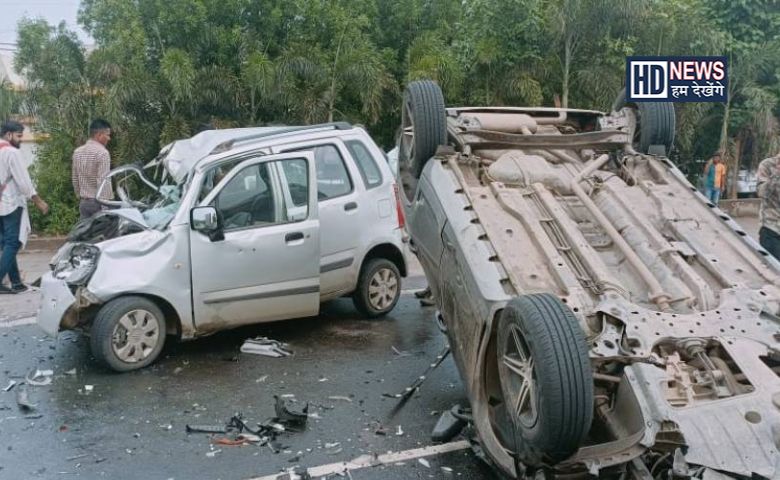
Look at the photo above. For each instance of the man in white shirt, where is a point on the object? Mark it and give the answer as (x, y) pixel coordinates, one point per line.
(16, 189)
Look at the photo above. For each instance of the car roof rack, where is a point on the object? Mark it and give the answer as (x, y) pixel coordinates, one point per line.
(229, 144)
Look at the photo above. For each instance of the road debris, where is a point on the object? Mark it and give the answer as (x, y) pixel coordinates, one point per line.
(205, 429)
(340, 397)
(239, 433)
(289, 417)
(399, 432)
(88, 388)
(39, 378)
(450, 424)
(72, 371)
(213, 453)
(23, 401)
(425, 463)
(266, 346)
(400, 353)
(240, 440)
(411, 389)
(11, 384)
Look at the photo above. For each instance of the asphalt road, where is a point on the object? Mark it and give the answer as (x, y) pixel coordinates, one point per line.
(133, 425)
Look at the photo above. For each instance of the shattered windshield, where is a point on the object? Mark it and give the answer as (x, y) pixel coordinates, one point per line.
(157, 200)
(162, 211)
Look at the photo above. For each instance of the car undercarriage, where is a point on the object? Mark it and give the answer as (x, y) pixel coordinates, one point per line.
(606, 318)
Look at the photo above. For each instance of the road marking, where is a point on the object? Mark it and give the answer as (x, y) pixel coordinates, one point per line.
(18, 322)
(366, 461)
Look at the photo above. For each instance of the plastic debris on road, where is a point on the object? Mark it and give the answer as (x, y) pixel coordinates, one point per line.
(265, 346)
(23, 400)
(39, 378)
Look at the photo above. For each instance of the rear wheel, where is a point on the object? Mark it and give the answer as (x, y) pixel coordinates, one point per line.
(655, 123)
(128, 333)
(545, 377)
(379, 288)
(423, 129)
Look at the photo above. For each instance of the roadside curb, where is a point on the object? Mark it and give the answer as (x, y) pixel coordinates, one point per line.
(43, 244)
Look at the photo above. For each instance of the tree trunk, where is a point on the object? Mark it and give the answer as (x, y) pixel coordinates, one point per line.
(724, 129)
(334, 74)
(566, 72)
(733, 173)
(252, 106)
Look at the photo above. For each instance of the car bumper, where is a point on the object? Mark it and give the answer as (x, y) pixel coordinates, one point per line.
(56, 299)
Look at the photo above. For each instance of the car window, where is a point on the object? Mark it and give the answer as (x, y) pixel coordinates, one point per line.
(215, 175)
(333, 179)
(372, 177)
(247, 200)
(250, 199)
(296, 177)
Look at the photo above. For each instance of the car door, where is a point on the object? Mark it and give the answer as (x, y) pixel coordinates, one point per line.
(339, 206)
(267, 266)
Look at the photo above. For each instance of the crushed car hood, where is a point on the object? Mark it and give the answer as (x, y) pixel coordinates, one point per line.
(107, 225)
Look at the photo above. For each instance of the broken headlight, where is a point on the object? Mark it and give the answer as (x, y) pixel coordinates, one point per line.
(78, 264)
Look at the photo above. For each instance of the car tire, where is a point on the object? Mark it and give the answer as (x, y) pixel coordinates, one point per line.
(423, 125)
(656, 123)
(551, 420)
(124, 349)
(378, 289)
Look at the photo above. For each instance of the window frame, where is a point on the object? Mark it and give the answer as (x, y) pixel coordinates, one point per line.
(276, 186)
(359, 166)
(345, 162)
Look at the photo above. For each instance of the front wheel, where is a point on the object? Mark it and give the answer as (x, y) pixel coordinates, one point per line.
(128, 333)
(545, 377)
(379, 288)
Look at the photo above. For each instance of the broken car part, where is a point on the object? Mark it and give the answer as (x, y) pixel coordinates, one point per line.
(449, 425)
(265, 346)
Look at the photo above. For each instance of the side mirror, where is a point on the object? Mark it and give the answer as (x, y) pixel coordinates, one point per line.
(206, 220)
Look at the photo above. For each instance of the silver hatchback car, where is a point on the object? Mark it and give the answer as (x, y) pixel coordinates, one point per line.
(228, 228)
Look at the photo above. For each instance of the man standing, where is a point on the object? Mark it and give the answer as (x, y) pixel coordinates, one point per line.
(91, 164)
(16, 189)
(769, 192)
(714, 178)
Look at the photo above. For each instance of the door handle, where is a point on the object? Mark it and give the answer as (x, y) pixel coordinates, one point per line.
(350, 206)
(293, 236)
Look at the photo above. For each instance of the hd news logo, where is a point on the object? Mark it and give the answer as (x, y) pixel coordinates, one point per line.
(676, 79)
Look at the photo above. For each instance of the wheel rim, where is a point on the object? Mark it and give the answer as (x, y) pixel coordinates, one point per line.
(382, 289)
(135, 336)
(518, 376)
(407, 133)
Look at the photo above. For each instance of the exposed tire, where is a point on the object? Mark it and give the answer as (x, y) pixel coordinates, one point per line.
(656, 123)
(128, 333)
(378, 289)
(423, 125)
(539, 336)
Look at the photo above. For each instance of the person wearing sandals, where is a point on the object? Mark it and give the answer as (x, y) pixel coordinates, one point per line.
(16, 188)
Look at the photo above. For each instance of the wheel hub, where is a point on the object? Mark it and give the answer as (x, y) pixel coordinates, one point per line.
(135, 336)
(517, 371)
(382, 289)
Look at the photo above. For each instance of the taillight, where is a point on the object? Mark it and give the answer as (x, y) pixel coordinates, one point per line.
(399, 209)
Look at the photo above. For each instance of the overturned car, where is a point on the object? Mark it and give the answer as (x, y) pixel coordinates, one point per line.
(606, 319)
